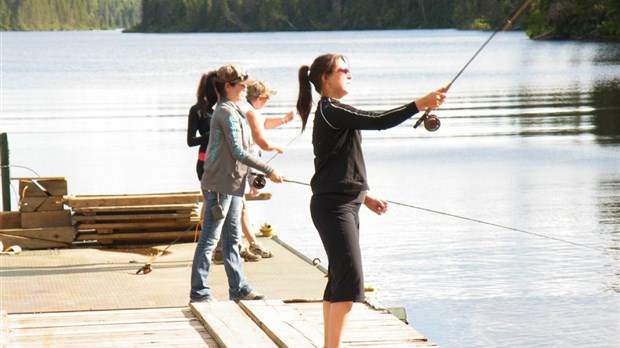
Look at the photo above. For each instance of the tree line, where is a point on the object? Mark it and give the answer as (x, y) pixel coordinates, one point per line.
(559, 19)
(69, 14)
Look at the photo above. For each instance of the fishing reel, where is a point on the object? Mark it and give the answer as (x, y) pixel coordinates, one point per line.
(431, 122)
(259, 181)
(146, 269)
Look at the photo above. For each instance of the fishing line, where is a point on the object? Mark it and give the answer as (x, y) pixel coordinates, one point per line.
(287, 144)
(259, 181)
(13, 189)
(23, 167)
(146, 269)
(479, 221)
(431, 122)
(498, 225)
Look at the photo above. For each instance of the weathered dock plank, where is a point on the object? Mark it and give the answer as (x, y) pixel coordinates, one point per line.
(300, 324)
(166, 327)
(284, 324)
(5, 337)
(82, 201)
(229, 326)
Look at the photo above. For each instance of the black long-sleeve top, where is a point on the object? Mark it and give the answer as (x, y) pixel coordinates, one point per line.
(339, 165)
(199, 121)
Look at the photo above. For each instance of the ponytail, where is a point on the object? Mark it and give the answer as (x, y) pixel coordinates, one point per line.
(210, 92)
(304, 100)
(206, 89)
(323, 64)
(200, 92)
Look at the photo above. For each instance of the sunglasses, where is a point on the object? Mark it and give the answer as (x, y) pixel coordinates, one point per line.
(345, 71)
(239, 79)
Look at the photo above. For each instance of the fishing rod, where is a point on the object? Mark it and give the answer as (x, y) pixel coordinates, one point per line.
(431, 122)
(260, 181)
(479, 221)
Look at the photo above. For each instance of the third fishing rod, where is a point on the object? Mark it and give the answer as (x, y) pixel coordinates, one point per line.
(431, 122)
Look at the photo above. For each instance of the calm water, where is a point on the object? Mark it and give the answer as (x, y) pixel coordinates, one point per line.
(530, 141)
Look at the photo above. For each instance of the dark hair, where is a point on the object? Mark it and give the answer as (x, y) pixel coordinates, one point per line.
(312, 74)
(206, 89)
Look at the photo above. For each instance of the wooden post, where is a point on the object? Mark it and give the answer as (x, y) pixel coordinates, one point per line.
(6, 173)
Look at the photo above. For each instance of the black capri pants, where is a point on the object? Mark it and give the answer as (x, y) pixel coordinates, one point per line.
(336, 217)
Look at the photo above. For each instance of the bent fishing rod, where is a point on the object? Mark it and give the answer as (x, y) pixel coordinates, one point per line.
(431, 122)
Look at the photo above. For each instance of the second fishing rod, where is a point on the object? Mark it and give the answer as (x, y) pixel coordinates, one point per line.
(431, 122)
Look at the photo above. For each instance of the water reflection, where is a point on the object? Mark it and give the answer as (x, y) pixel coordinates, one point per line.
(608, 207)
(606, 103)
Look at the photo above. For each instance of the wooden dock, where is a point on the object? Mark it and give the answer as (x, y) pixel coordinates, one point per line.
(91, 295)
(261, 324)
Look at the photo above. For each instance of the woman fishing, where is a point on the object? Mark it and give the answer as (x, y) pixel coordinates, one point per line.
(227, 163)
(339, 184)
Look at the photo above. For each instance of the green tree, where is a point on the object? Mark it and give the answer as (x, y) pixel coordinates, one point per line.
(572, 19)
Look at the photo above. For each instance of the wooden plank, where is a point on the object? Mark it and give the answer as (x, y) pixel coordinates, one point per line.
(161, 327)
(27, 188)
(146, 339)
(31, 203)
(54, 187)
(108, 328)
(54, 234)
(29, 243)
(46, 219)
(45, 203)
(156, 194)
(284, 324)
(38, 177)
(300, 324)
(137, 236)
(262, 196)
(128, 335)
(134, 217)
(138, 208)
(125, 200)
(5, 339)
(138, 225)
(52, 203)
(95, 317)
(229, 326)
(42, 187)
(10, 219)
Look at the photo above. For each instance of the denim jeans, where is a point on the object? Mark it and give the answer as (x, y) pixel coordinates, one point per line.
(230, 230)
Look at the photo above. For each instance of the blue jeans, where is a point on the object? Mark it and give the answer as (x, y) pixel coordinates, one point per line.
(230, 230)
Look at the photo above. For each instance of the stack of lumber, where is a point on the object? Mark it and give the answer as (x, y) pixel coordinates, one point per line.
(41, 222)
(110, 219)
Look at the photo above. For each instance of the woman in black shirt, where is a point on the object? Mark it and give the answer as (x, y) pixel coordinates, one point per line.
(199, 118)
(339, 184)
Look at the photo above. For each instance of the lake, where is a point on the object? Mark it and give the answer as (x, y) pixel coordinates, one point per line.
(504, 225)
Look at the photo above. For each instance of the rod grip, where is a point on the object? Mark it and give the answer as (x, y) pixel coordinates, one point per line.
(422, 118)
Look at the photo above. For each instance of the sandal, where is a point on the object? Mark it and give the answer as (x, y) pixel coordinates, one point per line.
(259, 249)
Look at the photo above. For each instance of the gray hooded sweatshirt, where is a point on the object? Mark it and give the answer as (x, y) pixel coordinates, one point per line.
(228, 158)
